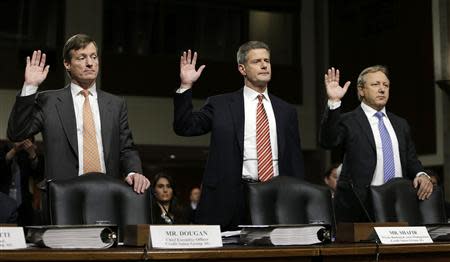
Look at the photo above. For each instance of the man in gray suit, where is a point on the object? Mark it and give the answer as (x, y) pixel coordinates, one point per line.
(84, 128)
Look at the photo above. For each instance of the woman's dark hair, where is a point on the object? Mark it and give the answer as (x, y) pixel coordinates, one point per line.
(174, 208)
(169, 178)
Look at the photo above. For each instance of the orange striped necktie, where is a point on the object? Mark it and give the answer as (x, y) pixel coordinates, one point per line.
(91, 158)
(263, 147)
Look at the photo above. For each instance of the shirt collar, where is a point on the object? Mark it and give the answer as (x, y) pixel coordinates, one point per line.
(76, 90)
(370, 112)
(251, 94)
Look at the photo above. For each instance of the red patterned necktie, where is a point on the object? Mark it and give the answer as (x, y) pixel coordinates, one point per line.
(91, 159)
(263, 147)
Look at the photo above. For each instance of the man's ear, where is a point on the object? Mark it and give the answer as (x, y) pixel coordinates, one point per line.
(360, 91)
(67, 65)
(241, 69)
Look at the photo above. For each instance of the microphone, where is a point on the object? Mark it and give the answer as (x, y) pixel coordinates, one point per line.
(363, 207)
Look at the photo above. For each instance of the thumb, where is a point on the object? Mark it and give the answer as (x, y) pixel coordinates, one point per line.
(200, 69)
(129, 179)
(346, 85)
(416, 182)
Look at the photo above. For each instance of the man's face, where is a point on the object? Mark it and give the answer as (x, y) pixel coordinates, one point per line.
(195, 195)
(375, 92)
(83, 66)
(256, 69)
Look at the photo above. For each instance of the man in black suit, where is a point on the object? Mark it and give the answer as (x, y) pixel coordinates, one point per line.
(377, 144)
(84, 128)
(236, 154)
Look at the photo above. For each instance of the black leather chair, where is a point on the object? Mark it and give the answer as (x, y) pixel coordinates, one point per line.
(288, 200)
(95, 197)
(397, 201)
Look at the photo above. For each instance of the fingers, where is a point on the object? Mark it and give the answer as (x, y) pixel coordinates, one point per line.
(194, 58)
(188, 58)
(34, 57)
(42, 61)
(330, 76)
(425, 188)
(140, 183)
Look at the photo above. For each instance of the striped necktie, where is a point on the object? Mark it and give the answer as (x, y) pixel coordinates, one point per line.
(386, 144)
(263, 147)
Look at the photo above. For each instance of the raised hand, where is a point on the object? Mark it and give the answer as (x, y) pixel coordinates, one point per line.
(334, 91)
(188, 74)
(36, 71)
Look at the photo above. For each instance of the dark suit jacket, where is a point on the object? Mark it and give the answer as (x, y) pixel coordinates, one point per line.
(352, 132)
(222, 199)
(52, 113)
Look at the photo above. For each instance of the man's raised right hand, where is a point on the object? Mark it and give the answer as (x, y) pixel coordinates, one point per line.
(334, 91)
(188, 74)
(36, 71)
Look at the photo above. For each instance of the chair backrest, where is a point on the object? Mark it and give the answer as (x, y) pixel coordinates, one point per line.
(289, 200)
(396, 201)
(95, 197)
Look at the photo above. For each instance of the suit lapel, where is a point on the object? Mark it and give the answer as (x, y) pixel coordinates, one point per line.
(365, 125)
(66, 114)
(280, 123)
(238, 114)
(104, 106)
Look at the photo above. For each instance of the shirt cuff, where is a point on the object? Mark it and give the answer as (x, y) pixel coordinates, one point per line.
(334, 104)
(182, 90)
(28, 90)
(423, 174)
(131, 173)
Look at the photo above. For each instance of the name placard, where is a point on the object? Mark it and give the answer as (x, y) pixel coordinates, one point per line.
(185, 236)
(403, 235)
(12, 238)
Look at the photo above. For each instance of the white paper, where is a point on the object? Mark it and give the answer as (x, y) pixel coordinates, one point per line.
(12, 238)
(403, 235)
(189, 236)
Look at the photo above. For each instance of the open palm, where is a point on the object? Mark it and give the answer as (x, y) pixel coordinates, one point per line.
(36, 71)
(188, 74)
(334, 91)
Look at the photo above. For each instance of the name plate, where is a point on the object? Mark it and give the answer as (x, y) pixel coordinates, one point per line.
(12, 238)
(185, 236)
(403, 235)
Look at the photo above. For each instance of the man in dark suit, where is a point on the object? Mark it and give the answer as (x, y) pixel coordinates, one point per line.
(236, 153)
(84, 128)
(377, 144)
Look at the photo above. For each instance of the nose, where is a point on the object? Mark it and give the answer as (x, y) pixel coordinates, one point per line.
(89, 61)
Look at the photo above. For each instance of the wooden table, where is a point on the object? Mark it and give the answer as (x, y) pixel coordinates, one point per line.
(333, 252)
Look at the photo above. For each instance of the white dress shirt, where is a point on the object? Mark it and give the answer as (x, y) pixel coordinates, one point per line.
(250, 164)
(78, 100)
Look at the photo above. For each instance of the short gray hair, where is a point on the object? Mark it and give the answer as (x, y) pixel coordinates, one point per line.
(243, 50)
(371, 69)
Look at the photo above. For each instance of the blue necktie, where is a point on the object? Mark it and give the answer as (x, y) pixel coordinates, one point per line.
(386, 144)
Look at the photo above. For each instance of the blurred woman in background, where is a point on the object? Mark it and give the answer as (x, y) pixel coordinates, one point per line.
(166, 209)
